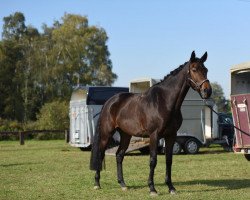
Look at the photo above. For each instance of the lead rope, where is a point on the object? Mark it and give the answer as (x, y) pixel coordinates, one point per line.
(229, 123)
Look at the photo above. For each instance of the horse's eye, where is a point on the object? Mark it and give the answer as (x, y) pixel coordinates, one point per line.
(194, 70)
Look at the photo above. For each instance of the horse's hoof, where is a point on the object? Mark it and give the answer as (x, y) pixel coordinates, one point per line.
(97, 187)
(172, 191)
(124, 188)
(153, 194)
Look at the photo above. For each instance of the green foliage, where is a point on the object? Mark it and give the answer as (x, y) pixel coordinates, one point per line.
(9, 125)
(37, 68)
(11, 106)
(219, 98)
(14, 26)
(53, 116)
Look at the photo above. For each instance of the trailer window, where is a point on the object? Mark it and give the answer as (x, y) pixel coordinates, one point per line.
(98, 96)
(240, 83)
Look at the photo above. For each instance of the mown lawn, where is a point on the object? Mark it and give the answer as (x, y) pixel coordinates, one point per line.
(54, 170)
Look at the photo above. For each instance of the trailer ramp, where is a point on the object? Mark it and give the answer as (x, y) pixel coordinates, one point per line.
(133, 146)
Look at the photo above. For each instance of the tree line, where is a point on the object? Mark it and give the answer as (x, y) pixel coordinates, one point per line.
(42, 67)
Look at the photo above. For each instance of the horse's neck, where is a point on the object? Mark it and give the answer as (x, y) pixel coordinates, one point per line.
(182, 94)
(179, 88)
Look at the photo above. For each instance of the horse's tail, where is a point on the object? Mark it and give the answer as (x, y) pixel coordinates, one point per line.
(96, 158)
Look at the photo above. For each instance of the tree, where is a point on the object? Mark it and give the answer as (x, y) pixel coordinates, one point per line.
(14, 26)
(44, 67)
(19, 47)
(219, 98)
(30, 93)
(11, 106)
(81, 53)
(54, 116)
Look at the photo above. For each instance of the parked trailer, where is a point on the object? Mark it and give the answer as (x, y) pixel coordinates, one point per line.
(240, 105)
(85, 107)
(200, 124)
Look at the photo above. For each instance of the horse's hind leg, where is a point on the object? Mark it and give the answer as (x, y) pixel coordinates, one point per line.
(124, 143)
(102, 145)
(97, 180)
(98, 171)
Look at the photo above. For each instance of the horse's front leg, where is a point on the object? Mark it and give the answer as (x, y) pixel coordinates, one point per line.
(152, 162)
(169, 143)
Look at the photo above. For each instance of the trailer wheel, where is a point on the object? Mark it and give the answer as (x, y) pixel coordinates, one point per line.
(191, 146)
(177, 148)
(85, 148)
(247, 156)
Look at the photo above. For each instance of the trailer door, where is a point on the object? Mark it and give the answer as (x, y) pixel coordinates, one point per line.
(82, 125)
(240, 109)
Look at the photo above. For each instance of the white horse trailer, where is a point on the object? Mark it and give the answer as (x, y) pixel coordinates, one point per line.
(85, 106)
(199, 126)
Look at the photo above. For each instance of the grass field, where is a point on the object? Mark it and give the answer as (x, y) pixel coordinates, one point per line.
(54, 170)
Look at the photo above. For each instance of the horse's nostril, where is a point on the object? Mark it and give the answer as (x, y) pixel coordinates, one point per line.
(208, 92)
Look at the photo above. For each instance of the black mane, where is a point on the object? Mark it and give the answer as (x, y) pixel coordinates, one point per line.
(174, 72)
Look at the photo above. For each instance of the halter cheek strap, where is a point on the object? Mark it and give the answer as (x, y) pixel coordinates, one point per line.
(197, 85)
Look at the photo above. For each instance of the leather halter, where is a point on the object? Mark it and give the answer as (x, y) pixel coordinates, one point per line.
(197, 84)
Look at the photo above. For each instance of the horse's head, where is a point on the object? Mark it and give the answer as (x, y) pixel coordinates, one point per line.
(197, 76)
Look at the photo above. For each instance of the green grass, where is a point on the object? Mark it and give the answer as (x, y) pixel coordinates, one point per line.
(54, 170)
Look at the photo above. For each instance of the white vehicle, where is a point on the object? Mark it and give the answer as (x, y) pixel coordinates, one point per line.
(85, 106)
(199, 126)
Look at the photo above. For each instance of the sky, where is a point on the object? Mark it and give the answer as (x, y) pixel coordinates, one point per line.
(150, 38)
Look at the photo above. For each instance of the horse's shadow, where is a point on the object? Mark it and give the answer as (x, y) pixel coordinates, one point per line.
(229, 184)
(19, 164)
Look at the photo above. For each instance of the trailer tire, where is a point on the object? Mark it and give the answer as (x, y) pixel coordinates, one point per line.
(85, 148)
(191, 146)
(177, 148)
(247, 156)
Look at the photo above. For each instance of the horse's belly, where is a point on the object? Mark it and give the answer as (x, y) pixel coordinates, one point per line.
(133, 128)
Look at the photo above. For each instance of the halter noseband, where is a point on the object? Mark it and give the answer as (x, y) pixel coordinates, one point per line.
(197, 85)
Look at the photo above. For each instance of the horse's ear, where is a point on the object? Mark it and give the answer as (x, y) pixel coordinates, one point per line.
(204, 58)
(192, 58)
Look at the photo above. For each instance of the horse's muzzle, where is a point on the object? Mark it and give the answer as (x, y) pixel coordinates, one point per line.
(205, 93)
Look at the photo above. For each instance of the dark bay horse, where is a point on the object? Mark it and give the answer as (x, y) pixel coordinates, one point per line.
(156, 113)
